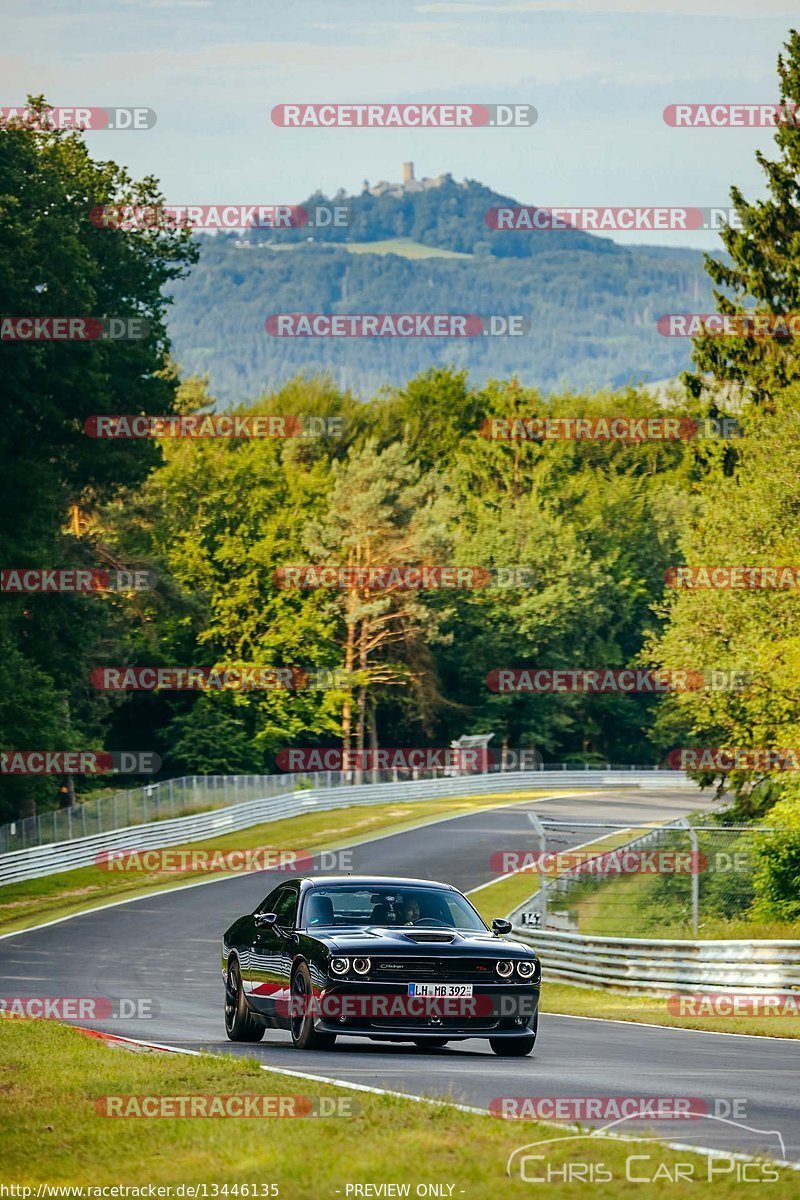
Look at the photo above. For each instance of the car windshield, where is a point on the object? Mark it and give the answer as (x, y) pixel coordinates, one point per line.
(360, 905)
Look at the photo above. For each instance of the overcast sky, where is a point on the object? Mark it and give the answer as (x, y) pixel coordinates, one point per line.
(599, 72)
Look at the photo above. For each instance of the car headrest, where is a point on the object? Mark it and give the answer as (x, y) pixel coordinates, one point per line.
(320, 910)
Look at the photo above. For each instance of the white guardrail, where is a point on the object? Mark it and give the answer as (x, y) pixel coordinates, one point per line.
(666, 967)
(82, 852)
(658, 966)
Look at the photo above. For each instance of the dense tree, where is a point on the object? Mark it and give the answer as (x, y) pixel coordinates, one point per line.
(54, 262)
(763, 276)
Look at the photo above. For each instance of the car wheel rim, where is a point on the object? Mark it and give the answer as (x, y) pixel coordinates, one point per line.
(299, 992)
(231, 996)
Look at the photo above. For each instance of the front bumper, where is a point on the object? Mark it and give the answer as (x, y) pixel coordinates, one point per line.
(386, 1010)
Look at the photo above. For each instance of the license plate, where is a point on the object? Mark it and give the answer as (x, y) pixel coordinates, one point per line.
(440, 990)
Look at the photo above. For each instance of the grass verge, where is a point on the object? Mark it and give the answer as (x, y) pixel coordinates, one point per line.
(52, 896)
(609, 910)
(652, 1010)
(53, 1133)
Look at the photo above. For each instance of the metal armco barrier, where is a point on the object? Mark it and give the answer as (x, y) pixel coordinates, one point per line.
(665, 967)
(83, 852)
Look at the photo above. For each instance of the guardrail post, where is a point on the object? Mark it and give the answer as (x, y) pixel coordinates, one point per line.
(541, 838)
(683, 822)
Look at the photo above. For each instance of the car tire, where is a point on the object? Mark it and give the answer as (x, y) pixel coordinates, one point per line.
(304, 1035)
(430, 1043)
(240, 1024)
(513, 1047)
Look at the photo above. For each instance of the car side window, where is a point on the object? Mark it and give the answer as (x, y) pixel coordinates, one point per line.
(285, 907)
(268, 905)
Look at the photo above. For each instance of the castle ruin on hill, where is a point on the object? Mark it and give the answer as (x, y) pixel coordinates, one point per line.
(409, 183)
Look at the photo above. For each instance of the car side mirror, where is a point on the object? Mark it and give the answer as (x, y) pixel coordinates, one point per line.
(263, 920)
(501, 926)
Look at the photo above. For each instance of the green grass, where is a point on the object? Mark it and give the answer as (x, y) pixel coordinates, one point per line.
(53, 1132)
(52, 896)
(405, 247)
(652, 1010)
(608, 910)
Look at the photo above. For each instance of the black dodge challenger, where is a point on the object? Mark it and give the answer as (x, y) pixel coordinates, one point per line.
(387, 959)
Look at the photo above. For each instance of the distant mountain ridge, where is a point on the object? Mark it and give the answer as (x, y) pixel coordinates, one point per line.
(435, 212)
(592, 304)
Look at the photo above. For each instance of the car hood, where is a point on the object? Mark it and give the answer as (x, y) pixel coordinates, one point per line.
(382, 939)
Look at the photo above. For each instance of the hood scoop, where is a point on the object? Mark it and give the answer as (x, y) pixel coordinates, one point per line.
(429, 935)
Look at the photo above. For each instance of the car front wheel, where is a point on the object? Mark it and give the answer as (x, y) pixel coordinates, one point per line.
(304, 1035)
(240, 1025)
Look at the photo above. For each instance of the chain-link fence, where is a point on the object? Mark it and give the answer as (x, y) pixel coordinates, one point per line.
(138, 806)
(675, 880)
(200, 793)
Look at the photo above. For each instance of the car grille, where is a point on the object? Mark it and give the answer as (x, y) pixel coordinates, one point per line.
(474, 970)
(409, 1023)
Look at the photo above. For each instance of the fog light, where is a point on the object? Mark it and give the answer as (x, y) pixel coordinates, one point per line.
(519, 1020)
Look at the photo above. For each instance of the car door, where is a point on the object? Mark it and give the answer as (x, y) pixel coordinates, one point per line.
(271, 953)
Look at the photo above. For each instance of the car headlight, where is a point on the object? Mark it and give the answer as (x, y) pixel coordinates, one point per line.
(504, 967)
(526, 968)
(361, 966)
(340, 966)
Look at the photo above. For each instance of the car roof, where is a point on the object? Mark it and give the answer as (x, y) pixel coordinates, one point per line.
(374, 880)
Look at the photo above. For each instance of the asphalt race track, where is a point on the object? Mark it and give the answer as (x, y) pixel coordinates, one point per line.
(166, 947)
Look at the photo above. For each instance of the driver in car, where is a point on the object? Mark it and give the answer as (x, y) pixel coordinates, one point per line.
(410, 911)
